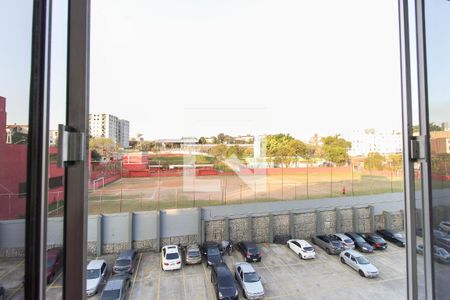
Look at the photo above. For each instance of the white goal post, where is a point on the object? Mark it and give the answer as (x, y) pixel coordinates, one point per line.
(94, 183)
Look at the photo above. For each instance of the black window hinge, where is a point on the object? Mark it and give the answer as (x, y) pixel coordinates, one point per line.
(71, 146)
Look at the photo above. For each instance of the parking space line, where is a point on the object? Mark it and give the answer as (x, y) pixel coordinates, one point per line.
(159, 278)
(15, 291)
(208, 287)
(184, 283)
(55, 280)
(135, 274)
(13, 269)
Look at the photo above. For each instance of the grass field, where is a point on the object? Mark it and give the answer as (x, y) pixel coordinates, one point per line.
(136, 194)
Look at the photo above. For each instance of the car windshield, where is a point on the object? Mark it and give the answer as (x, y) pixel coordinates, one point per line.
(111, 295)
(213, 251)
(362, 260)
(172, 256)
(251, 277)
(335, 243)
(307, 248)
(226, 282)
(122, 262)
(359, 239)
(194, 253)
(93, 274)
(348, 241)
(253, 250)
(377, 239)
(398, 235)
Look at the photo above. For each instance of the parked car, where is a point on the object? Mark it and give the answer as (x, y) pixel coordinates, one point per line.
(223, 282)
(302, 248)
(2, 293)
(375, 240)
(329, 243)
(444, 226)
(212, 253)
(192, 254)
(358, 262)
(249, 281)
(443, 242)
(125, 262)
(249, 251)
(170, 258)
(117, 287)
(96, 274)
(439, 254)
(360, 242)
(346, 241)
(393, 236)
(54, 262)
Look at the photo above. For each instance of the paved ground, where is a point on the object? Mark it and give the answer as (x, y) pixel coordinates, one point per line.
(283, 274)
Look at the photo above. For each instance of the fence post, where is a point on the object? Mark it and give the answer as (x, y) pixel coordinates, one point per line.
(200, 226)
(319, 223)
(387, 220)
(372, 218)
(99, 235)
(270, 228)
(250, 228)
(338, 220)
(130, 230)
(355, 219)
(158, 230)
(226, 229)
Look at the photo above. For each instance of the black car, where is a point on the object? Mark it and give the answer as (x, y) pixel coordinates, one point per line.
(393, 236)
(223, 281)
(360, 242)
(125, 262)
(117, 288)
(249, 251)
(2, 293)
(211, 251)
(375, 240)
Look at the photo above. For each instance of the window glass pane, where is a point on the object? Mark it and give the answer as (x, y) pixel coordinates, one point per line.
(245, 108)
(438, 65)
(15, 63)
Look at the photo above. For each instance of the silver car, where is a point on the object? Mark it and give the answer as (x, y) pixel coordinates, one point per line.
(192, 255)
(96, 274)
(358, 262)
(249, 281)
(346, 241)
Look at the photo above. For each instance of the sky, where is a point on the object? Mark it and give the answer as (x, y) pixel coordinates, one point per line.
(197, 68)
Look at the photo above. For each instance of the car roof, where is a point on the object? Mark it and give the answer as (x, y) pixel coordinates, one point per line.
(171, 248)
(245, 267)
(222, 269)
(301, 242)
(341, 235)
(54, 251)
(115, 282)
(193, 247)
(354, 253)
(95, 264)
(125, 254)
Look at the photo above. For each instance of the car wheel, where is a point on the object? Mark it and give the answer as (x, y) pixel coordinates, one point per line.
(328, 251)
(300, 256)
(361, 273)
(342, 260)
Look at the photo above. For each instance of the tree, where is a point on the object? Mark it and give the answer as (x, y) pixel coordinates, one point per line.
(95, 156)
(396, 161)
(236, 151)
(19, 138)
(374, 161)
(146, 146)
(432, 126)
(202, 140)
(220, 138)
(335, 149)
(218, 151)
(104, 146)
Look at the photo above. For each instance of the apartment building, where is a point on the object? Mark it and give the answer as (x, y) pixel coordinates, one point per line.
(110, 126)
(370, 140)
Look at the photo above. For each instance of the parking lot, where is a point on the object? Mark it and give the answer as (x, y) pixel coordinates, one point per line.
(283, 274)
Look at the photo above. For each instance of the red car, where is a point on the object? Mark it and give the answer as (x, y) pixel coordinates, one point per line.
(54, 262)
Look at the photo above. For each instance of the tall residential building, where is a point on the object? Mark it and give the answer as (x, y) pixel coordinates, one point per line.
(109, 126)
(370, 140)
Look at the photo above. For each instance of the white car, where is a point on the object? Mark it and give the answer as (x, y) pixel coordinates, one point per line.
(250, 281)
(346, 241)
(302, 248)
(444, 226)
(358, 262)
(170, 258)
(96, 273)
